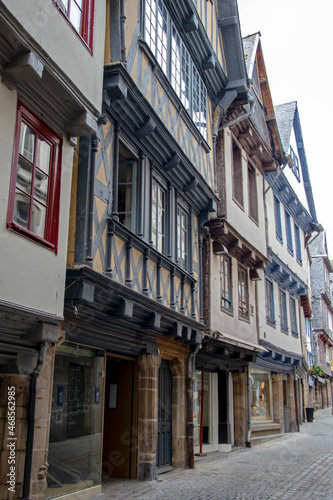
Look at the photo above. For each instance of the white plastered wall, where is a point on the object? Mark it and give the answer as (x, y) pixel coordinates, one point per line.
(61, 44)
(30, 275)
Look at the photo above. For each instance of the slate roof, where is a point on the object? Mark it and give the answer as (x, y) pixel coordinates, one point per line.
(250, 44)
(285, 114)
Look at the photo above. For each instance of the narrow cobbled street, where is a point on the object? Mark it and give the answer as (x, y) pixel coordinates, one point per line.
(294, 466)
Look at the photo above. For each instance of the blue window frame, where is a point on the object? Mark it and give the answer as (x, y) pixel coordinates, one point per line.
(283, 311)
(289, 233)
(278, 223)
(298, 245)
(270, 313)
(293, 317)
(295, 160)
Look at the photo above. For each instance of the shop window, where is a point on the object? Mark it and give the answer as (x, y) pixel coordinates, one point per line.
(270, 313)
(158, 216)
(75, 443)
(260, 395)
(253, 196)
(225, 280)
(80, 14)
(278, 223)
(237, 175)
(283, 311)
(182, 237)
(243, 293)
(34, 197)
(206, 412)
(176, 62)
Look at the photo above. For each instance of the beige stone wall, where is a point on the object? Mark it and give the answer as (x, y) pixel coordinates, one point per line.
(42, 427)
(21, 384)
(278, 413)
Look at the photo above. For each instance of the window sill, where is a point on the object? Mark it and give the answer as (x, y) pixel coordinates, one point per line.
(294, 334)
(299, 261)
(163, 80)
(230, 312)
(15, 228)
(254, 220)
(285, 330)
(238, 204)
(279, 238)
(271, 322)
(290, 250)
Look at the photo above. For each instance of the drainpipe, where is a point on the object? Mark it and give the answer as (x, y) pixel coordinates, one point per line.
(190, 425)
(31, 423)
(122, 33)
(248, 441)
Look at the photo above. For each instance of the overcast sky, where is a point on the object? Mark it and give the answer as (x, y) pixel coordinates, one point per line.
(297, 43)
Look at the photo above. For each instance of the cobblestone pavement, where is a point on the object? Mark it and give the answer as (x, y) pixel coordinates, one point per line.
(296, 466)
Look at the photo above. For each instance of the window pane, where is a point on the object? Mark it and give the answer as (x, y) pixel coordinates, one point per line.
(76, 417)
(260, 388)
(27, 142)
(41, 186)
(43, 155)
(24, 175)
(38, 219)
(75, 16)
(21, 209)
(162, 35)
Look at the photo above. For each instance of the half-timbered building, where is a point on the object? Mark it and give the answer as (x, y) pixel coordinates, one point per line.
(144, 187)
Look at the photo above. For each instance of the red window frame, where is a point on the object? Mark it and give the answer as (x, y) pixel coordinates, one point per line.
(87, 23)
(25, 116)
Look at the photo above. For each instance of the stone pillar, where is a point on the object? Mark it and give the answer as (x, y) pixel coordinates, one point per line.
(277, 382)
(42, 427)
(240, 408)
(292, 404)
(177, 368)
(21, 384)
(148, 416)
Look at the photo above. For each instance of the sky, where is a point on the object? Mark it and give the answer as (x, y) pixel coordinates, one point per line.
(297, 43)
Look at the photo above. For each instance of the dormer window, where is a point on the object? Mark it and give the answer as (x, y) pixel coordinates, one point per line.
(295, 168)
(170, 51)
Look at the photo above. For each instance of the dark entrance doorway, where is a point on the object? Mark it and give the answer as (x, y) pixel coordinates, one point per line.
(163, 455)
(119, 441)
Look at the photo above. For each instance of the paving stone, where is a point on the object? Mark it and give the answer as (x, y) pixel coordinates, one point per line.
(297, 466)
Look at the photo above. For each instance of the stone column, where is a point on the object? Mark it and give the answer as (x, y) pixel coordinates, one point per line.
(240, 408)
(148, 415)
(44, 390)
(292, 404)
(19, 386)
(177, 368)
(277, 382)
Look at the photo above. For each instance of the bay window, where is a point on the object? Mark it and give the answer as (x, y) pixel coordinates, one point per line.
(168, 47)
(34, 197)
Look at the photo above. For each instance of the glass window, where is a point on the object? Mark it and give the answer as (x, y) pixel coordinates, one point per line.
(293, 317)
(182, 238)
(283, 311)
(207, 427)
(76, 420)
(237, 175)
(260, 395)
(33, 208)
(295, 169)
(253, 197)
(243, 293)
(298, 245)
(270, 315)
(172, 55)
(278, 224)
(289, 233)
(225, 280)
(80, 13)
(127, 193)
(158, 216)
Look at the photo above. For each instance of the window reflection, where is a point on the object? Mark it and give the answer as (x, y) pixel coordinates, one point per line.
(76, 420)
(260, 387)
